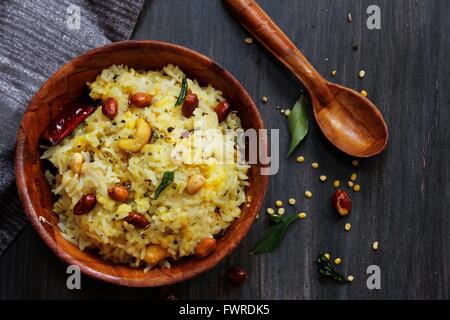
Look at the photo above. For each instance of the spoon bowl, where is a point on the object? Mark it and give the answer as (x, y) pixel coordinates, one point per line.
(351, 122)
(348, 120)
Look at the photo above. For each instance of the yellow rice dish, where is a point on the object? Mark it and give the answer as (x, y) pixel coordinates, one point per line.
(122, 157)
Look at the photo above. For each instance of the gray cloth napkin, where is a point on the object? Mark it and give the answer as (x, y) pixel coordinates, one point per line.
(36, 39)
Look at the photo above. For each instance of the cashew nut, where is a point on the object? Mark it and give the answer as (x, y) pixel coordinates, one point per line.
(140, 139)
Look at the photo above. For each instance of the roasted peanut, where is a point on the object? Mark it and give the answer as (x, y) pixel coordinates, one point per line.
(236, 275)
(110, 108)
(140, 99)
(189, 104)
(342, 202)
(205, 247)
(222, 110)
(85, 204)
(141, 137)
(153, 254)
(76, 161)
(118, 193)
(137, 220)
(195, 183)
(58, 179)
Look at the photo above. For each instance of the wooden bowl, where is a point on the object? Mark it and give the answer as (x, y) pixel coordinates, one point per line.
(64, 88)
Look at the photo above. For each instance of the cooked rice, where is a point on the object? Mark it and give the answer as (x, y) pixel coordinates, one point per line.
(178, 221)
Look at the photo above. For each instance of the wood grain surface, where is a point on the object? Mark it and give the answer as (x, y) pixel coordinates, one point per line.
(404, 202)
(350, 121)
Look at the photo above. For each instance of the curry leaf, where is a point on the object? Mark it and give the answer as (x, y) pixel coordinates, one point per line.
(183, 92)
(274, 235)
(326, 269)
(298, 122)
(165, 182)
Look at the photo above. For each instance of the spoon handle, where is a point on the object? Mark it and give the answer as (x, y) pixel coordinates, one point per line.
(253, 18)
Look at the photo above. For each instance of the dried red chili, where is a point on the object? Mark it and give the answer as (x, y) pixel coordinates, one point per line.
(65, 123)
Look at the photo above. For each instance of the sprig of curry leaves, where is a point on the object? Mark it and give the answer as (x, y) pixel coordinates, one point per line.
(298, 122)
(183, 92)
(275, 234)
(165, 182)
(326, 269)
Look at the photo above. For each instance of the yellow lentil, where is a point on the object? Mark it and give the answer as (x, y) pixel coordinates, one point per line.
(350, 184)
(270, 211)
(292, 201)
(375, 245)
(327, 256)
(350, 278)
(333, 73)
(336, 183)
(302, 215)
(355, 163)
(308, 194)
(264, 99)
(353, 177)
(362, 74)
(337, 261)
(356, 188)
(347, 226)
(364, 93)
(248, 40)
(300, 159)
(315, 165)
(323, 178)
(279, 203)
(281, 211)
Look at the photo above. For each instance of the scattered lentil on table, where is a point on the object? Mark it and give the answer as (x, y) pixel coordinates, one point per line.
(349, 18)
(375, 245)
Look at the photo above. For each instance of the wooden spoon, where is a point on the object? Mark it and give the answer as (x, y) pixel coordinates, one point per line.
(348, 120)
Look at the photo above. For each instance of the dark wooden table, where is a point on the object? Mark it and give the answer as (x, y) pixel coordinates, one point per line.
(405, 198)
